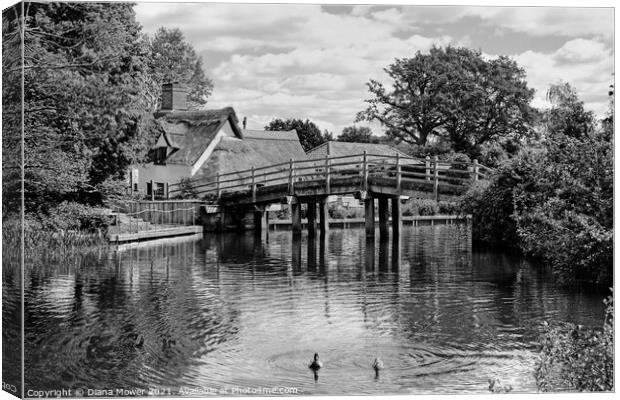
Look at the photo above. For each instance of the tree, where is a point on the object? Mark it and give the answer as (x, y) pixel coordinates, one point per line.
(361, 134)
(173, 59)
(567, 115)
(555, 201)
(308, 132)
(87, 88)
(452, 93)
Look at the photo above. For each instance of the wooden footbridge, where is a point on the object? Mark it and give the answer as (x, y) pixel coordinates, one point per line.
(235, 197)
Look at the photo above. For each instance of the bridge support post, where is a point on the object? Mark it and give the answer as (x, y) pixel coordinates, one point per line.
(323, 218)
(258, 222)
(266, 225)
(397, 222)
(296, 217)
(369, 214)
(311, 215)
(384, 228)
(240, 214)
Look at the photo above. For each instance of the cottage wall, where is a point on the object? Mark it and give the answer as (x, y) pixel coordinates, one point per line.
(170, 173)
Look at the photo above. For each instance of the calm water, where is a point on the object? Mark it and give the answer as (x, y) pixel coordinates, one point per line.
(232, 311)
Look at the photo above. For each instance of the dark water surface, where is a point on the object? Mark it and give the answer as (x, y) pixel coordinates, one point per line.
(234, 312)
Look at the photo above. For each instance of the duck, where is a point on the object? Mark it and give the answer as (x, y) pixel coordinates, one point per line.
(316, 363)
(377, 364)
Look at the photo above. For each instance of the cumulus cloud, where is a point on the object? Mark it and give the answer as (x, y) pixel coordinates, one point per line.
(540, 21)
(536, 21)
(300, 61)
(585, 64)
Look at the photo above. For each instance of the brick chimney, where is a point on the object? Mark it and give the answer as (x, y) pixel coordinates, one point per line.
(174, 97)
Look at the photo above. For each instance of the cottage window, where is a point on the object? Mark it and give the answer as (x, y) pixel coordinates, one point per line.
(156, 189)
(159, 155)
(159, 190)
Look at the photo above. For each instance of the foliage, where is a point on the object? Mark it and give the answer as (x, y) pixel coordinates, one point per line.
(492, 154)
(74, 216)
(447, 208)
(113, 189)
(491, 203)
(576, 358)
(452, 93)
(355, 134)
(173, 59)
(555, 202)
(339, 211)
(44, 245)
(565, 211)
(437, 148)
(415, 207)
(567, 116)
(187, 189)
(459, 169)
(87, 87)
(308, 132)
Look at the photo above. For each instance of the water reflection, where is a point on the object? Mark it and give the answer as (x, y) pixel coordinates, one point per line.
(238, 310)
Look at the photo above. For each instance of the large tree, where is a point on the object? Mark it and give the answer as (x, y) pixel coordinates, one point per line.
(308, 132)
(174, 59)
(87, 87)
(452, 93)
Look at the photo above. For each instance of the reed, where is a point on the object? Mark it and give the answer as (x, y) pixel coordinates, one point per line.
(44, 244)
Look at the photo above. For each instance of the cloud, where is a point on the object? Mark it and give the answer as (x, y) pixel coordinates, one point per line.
(581, 51)
(586, 64)
(533, 21)
(540, 21)
(297, 60)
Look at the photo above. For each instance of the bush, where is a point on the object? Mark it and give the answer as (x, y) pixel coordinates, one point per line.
(416, 207)
(491, 203)
(554, 203)
(457, 169)
(338, 211)
(564, 210)
(576, 358)
(187, 190)
(492, 154)
(74, 216)
(439, 148)
(448, 208)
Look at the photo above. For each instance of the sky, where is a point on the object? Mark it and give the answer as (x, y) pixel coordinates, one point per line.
(313, 61)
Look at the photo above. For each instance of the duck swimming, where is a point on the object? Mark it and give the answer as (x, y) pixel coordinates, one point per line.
(316, 364)
(377, 364)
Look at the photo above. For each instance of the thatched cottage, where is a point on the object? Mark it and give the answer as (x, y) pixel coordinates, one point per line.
(205, 142)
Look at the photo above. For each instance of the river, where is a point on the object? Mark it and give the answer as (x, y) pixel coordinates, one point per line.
(236, 314)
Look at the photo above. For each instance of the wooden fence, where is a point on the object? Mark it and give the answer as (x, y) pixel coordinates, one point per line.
(163, 212)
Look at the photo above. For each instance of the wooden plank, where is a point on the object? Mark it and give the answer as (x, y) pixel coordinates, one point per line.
(369, 216)
(384, 229)
(155, 234)
(311, 215)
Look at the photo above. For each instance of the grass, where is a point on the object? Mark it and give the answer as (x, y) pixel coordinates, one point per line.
(44, 244)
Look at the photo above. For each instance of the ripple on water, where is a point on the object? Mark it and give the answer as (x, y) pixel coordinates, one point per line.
(245, 313)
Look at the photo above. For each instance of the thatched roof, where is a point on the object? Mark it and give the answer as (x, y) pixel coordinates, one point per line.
(190, 132)
(338, 149)
(258, 149)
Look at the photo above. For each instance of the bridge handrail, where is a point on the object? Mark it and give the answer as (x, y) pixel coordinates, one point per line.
(366, 164)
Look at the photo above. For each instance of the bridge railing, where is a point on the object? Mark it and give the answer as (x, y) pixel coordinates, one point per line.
(365, 167)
